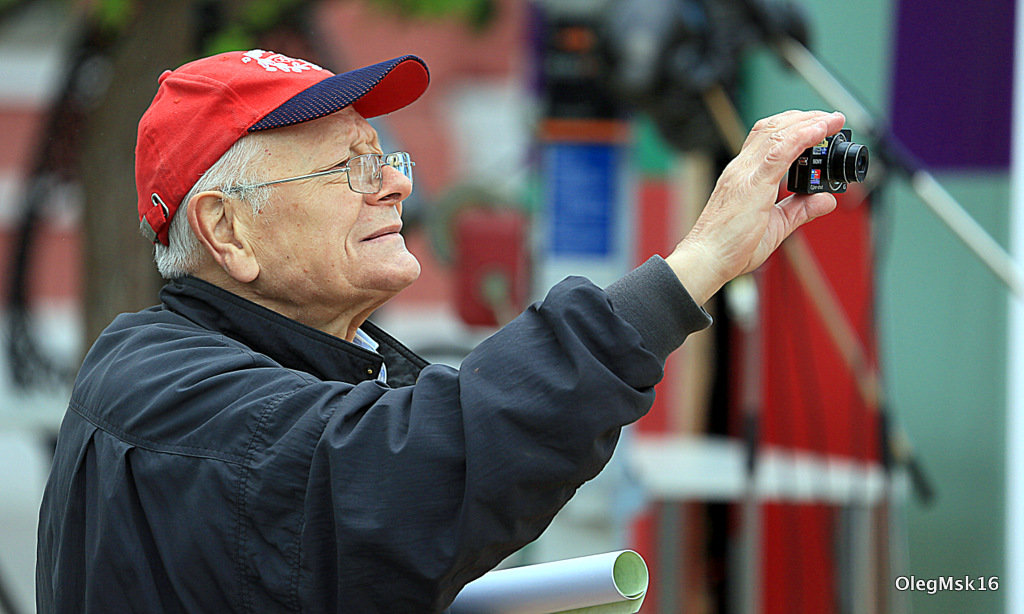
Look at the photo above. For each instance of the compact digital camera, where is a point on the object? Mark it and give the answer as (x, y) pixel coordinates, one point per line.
(829, 166)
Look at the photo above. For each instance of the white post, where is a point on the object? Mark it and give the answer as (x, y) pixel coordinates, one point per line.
(1014, 582)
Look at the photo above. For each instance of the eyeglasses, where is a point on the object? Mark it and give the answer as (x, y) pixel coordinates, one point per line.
(365, 172)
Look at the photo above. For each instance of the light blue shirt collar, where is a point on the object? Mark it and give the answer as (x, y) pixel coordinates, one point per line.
(365, 341)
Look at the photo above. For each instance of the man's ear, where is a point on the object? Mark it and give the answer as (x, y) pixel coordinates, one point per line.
(221, 223)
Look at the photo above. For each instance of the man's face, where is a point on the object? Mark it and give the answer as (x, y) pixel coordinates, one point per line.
(325, 252)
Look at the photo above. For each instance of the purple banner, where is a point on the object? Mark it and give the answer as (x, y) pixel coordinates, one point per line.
(953, 82)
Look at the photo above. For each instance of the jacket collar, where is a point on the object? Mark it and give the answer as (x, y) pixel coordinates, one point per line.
(290, 343)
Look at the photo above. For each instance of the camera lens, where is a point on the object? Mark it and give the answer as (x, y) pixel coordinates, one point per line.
(856, 163)
(850, 162)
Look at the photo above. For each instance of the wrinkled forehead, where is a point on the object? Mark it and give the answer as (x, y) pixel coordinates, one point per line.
(343, 133)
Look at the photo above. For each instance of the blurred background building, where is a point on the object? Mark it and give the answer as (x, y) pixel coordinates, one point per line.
(851, 418)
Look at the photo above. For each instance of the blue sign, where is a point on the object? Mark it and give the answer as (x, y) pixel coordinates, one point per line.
(581, 189)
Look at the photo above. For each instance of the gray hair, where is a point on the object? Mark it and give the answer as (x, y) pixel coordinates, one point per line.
(229, 173)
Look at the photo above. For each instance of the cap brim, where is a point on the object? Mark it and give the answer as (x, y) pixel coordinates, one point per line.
(372, 90)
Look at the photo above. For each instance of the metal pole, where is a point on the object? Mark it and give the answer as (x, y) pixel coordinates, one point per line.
(931, 192)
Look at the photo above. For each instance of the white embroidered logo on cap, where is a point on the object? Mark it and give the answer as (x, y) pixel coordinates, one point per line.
(273, 62)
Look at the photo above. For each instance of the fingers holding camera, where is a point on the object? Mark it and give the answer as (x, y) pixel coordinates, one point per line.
(778, 149)
(798, 209)
(741, 225)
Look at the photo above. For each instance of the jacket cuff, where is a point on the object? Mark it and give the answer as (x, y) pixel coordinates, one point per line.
(653, 301)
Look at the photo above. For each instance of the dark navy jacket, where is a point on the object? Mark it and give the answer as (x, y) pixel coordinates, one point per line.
(219, 457)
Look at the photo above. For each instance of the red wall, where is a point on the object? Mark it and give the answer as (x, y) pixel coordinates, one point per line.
(810, 401)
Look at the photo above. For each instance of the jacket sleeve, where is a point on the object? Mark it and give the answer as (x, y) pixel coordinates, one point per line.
(434, 484)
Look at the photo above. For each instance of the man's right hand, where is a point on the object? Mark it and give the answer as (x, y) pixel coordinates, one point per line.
(742, 224)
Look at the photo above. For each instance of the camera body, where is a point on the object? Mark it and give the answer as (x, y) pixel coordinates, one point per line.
(829, 166)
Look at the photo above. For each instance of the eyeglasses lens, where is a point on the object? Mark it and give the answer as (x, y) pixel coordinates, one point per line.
(400, 161)
(365, 172)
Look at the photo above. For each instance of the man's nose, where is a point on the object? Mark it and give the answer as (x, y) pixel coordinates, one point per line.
(395, 187)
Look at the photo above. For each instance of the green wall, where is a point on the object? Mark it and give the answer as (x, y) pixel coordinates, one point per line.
(943, 326)
(942, 319)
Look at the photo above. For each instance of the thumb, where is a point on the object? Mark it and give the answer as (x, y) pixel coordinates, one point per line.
(799, 209)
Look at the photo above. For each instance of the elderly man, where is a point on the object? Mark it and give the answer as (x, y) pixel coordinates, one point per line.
(255, 444)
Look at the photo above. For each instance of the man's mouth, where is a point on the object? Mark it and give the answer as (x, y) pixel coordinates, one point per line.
(383, 232)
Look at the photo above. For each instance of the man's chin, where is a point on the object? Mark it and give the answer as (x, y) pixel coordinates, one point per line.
(403, 273)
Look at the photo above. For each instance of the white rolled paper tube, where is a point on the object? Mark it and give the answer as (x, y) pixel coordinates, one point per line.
(570, 584)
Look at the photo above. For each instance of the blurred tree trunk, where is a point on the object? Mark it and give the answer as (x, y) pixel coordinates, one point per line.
(118, 269)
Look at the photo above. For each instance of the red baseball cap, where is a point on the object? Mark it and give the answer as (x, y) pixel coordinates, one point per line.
(203, 107)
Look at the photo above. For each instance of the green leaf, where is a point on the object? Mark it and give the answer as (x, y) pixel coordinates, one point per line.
(476, 13)
(114, 14)
(232, 38)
